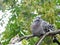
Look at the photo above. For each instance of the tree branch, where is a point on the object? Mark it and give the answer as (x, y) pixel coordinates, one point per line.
(54, 32)
(26, 37)
(47, 34)
(42, 39)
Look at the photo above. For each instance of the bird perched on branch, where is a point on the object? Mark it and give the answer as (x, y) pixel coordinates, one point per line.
(40, 27)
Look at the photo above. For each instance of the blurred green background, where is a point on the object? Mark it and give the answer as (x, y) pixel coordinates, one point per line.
(23, 12)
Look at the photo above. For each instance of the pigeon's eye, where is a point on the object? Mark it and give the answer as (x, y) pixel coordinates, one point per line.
(37, 20)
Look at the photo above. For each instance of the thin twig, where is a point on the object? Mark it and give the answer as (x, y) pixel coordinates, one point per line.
(42, 38)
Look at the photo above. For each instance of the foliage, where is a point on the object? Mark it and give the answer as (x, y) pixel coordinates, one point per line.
(23, 13)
